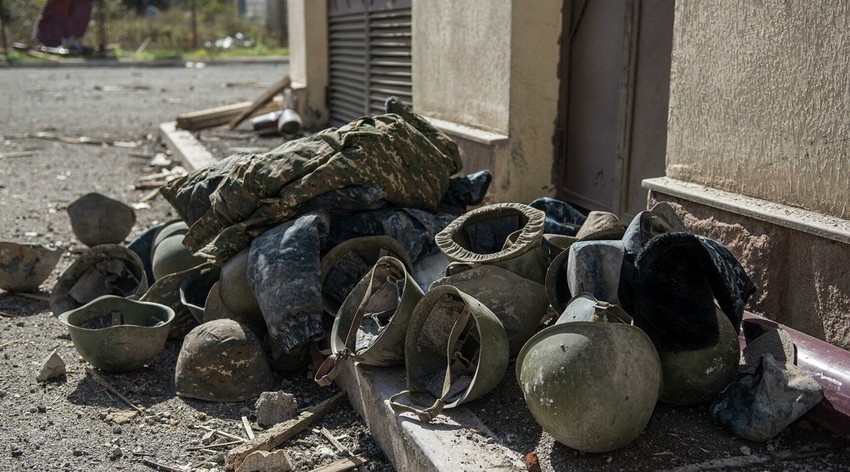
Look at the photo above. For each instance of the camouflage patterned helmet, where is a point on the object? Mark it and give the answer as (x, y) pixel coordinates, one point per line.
(222, 361)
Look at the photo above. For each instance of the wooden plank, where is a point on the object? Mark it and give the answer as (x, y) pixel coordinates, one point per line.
(184, 145)
(342, 465)
(212, 117)
(277, 434)
(264, 98)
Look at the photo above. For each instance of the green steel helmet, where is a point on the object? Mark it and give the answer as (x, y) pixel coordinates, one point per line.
(97, 219)
(195, 289)
(483, 236)
(344, 265)
(592, 379)
(456, 350)
(106, 269)
(235, 290)
(371, 324)
(171, 256)
(23, 267)
(698, 376)
(117, 334)
(222, 361)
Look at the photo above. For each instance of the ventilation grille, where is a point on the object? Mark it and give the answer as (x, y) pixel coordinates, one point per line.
(369, 54)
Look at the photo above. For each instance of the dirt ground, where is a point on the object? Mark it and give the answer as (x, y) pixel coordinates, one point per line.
(73, 423)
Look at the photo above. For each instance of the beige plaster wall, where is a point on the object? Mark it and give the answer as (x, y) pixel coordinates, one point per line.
(461, 68)
(308, 57)
(493, 65)
(760, 100)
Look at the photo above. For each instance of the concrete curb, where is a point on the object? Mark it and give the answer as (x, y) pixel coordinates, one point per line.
(185, 147)
(79, 62)
(457, 440)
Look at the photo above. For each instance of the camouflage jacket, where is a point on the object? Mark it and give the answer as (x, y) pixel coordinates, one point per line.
(230, 203)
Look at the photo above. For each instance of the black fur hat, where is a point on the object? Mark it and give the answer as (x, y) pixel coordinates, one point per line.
(672, 294)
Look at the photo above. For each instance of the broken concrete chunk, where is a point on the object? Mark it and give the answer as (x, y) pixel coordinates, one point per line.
(263, 461)
(52, 368)
(275, 407)
(208, 438)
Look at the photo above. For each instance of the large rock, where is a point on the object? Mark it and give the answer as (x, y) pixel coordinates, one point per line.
(275, 407)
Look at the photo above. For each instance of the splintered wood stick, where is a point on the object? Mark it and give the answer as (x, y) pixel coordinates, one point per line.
(264, 98)
(277, 434)
(338, 445)
(342, 465)
(221, 433)
(158, 466)
(210, 446)
(150, 195)
(248, 431)
(102, 381)
(31, 296)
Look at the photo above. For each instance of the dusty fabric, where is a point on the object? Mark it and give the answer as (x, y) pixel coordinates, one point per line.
(232, 202)
(561, 218)
(284, 273)
(760, 404)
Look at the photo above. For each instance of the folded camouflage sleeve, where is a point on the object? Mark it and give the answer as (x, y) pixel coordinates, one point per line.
(235, 200)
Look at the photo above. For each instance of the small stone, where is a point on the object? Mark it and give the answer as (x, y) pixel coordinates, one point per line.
(33, 409)
(201, 416)
(41, 409)
(77, 452)
(116, 429)
(770, 448)
(17, 452)
(208, 438)
(115, 452)
(746, 450)
(52, 368)
(121, 416)
(532, 462)
(275, 407)
(262, 460)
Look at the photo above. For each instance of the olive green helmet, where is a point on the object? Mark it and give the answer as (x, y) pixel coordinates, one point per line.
(236, 292)
(97, 219)
(169, 255)
(698, 376)
(592, 379)
(456, 350)
(116, 334)
(106, 269)
(344, 265)
(481, 236)
(222, 361)
(371, 324)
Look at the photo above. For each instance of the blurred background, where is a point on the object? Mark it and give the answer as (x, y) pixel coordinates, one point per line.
(158, 29)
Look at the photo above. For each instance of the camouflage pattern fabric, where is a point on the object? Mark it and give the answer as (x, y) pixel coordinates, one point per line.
(284, 272)
(230, 203)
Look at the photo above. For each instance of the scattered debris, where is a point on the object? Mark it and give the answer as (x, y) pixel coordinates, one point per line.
(263, 461)
(264, 98)
(279, 433)
(212, 445)
(31, 296)
(53, 367)
(221, 433)
(162, 467)
(532, 463)
(122, 88)
(247, 425)
(115, 452)
(212, 117)
(7, 155)
(75, 140)
(343, 464)
(275, 407)
(120, 417)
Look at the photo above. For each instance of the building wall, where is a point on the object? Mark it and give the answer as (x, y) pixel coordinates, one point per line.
(492, 65)
(760, 100)
(308, 57)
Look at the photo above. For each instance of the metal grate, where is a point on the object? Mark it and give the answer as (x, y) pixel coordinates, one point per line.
(369, 56)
